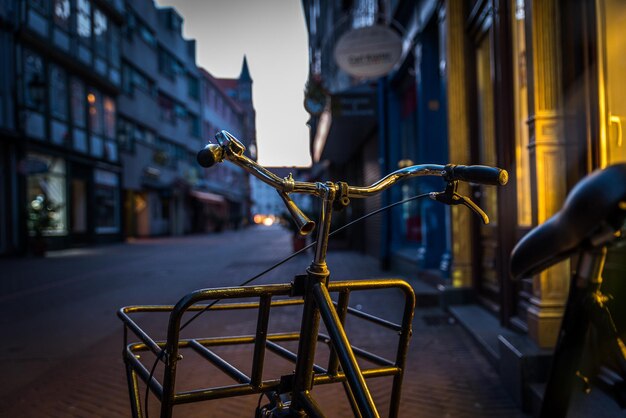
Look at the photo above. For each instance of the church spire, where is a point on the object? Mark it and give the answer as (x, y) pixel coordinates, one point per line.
(245, 73)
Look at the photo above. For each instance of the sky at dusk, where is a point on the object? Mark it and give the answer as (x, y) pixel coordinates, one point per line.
(272, 35)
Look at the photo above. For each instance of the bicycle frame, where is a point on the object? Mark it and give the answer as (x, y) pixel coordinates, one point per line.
(575, 325)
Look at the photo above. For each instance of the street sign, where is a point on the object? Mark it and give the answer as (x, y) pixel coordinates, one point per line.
(368, 52)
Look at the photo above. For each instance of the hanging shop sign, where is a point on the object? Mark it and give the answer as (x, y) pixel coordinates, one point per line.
(368, 52)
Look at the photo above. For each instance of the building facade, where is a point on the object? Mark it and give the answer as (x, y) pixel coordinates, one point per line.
(229, 107)
(159, 127)
(530, 86)
(65, 168)
(101, 117)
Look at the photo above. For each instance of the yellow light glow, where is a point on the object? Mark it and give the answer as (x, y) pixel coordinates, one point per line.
(268, 221)
(258, 219)
(91, 98)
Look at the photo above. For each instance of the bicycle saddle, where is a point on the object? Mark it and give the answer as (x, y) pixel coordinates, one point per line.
(598, 200)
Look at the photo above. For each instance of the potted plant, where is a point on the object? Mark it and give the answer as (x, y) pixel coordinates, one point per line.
(42, 216)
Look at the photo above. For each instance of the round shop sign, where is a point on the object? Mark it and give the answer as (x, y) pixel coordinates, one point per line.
(368, 52)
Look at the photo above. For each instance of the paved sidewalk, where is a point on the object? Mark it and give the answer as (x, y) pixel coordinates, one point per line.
(62, 356)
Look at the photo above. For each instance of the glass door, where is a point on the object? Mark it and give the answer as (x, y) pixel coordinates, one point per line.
(612, 84)
(611, 39)
(487, 282)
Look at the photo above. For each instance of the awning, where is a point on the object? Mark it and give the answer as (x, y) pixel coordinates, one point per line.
(207, 197)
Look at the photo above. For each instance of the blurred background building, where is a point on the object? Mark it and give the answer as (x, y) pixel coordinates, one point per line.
(102, 111)
(527, 85)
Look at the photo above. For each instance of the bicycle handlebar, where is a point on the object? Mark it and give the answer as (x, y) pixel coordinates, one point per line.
(230, 148)
(480, 174)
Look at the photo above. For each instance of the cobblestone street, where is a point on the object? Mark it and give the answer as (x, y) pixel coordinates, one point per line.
(63, 357)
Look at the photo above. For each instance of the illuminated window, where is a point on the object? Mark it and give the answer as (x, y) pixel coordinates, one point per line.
(62, 13)
(83, 23)
(100, 26)
(109, 118)
(94, 101)
(612, 101)
(46, 197)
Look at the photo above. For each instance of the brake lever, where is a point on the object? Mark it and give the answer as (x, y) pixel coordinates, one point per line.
(450, 197)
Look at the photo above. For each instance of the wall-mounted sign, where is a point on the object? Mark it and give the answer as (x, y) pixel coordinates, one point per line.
(368, 52)
(353, 105)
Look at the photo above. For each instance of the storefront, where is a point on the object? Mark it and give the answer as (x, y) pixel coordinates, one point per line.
(70, 203)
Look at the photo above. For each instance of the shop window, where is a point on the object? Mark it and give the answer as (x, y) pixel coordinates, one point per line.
(46, 196)
(612, 101)
(106, 197)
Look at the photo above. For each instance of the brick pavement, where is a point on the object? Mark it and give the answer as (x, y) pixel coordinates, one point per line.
(446, 375)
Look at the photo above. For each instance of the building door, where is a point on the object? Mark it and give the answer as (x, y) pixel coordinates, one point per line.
(611, 97)
(521, 175)
(79, 185)
(486, 277)
(79, 207)
(611, 39)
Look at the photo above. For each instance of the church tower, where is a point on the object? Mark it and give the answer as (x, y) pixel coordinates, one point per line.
(244, 99)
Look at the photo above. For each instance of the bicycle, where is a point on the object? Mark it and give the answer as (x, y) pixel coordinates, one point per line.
(590, 220)
(290, 395)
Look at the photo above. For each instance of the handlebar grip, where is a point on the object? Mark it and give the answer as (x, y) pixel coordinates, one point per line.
(210, 155)
(481, 174)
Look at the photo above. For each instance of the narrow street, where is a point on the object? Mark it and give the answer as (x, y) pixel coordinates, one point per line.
(62, 356)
